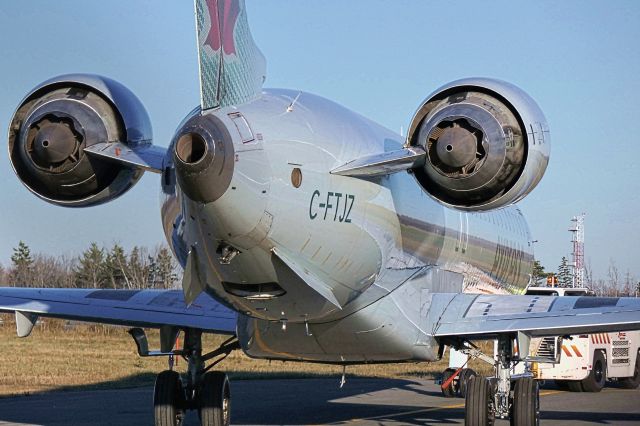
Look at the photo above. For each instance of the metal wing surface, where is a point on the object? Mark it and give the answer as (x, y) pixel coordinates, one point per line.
(136, 308)
(486, 316)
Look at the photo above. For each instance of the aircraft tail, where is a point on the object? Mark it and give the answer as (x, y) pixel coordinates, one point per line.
(232, 68)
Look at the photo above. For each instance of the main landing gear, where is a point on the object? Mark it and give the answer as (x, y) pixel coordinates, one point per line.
(515, 397)
(199, 389)
(455, 382)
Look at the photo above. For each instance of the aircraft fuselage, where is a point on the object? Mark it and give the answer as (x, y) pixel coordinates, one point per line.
(290, 242)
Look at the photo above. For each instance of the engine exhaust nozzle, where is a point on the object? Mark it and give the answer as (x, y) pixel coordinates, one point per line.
(203, 156)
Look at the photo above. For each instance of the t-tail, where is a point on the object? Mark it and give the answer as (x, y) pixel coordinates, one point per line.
(232, 68)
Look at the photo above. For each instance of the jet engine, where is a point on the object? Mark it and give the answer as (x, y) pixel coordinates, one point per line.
(54, 125)
(486, 141)
(203, 157)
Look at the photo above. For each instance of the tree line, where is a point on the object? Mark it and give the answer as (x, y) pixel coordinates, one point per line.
(115, 268)
(95, 267)
(616, 284)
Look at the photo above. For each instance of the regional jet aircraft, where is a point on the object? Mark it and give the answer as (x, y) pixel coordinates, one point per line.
(306, 231)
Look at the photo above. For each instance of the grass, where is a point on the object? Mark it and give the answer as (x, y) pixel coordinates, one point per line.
(57, 356)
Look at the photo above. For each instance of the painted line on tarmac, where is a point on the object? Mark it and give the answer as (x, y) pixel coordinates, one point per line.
(423, 410)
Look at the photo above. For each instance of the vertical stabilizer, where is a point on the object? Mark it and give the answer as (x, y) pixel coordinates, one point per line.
(232, 68)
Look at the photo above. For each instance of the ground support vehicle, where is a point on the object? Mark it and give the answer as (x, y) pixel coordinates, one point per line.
(587, 361)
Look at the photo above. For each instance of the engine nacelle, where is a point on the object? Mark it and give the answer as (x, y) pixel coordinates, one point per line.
(57, 121)
(487, 144)
(203, 157)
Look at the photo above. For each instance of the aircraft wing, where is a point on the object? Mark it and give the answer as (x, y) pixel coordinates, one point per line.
(135, 308)
(232, 68)
(486, 316)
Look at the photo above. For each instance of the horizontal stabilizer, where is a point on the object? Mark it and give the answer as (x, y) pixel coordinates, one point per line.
(143, 156)
(383, 164)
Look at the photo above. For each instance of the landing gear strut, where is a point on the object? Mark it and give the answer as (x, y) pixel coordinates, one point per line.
(503, 396)
(199, 389)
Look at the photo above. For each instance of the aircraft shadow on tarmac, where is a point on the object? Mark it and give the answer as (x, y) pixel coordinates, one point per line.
(276, 400)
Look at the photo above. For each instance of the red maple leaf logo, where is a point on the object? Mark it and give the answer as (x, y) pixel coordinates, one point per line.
(223, 15)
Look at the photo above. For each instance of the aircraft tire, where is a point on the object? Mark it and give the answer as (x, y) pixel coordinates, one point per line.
(166, 399)
(448, 392)
(215, 400)
(634, 381)
(463, 381)
(597, 377)
(477, 403)
(525, 410)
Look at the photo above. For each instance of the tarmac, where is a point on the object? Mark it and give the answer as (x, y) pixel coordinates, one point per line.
(316, 402)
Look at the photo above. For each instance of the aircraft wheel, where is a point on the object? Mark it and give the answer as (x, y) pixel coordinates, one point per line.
(525, 410)
(167, 399)
(449, 391)
(463, 381)
(596, 379)
(477, 403)
(215, 400)
(634, 381)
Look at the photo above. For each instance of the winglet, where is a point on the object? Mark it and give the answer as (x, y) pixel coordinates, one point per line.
(232, 68)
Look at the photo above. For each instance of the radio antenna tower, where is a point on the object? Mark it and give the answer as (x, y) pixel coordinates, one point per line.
(578, 250)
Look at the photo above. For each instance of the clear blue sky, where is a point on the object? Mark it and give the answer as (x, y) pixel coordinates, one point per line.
(579, 59)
